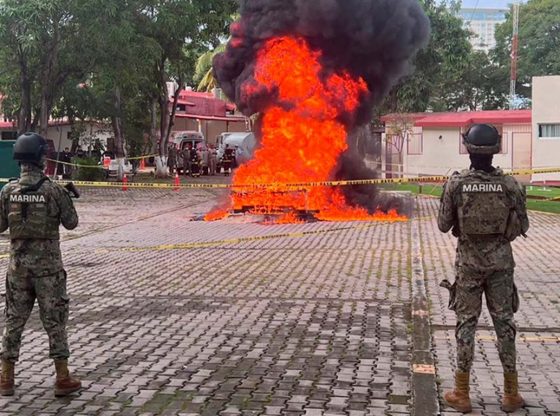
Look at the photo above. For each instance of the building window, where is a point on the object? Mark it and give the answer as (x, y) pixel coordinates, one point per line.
(415, 144)
(549, 131)
(9, 135)
(504, 141)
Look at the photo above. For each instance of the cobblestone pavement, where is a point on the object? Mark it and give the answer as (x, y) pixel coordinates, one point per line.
(171, 316)
(538, 320)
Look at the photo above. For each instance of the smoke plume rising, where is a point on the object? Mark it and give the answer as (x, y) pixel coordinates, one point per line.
(374, 40)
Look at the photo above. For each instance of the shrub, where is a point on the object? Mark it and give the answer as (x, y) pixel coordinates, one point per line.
(85, 171)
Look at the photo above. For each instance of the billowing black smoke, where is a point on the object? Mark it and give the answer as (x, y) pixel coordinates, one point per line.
(372, 39)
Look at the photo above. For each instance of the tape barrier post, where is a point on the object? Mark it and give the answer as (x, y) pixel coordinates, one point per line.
(176, 182)
(125, 183)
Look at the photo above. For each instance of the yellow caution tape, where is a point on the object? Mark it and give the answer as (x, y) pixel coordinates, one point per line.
(282, 186)
(60, 162)
(141, 157)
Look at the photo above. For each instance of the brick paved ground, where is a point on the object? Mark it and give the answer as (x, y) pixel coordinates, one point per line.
(538, 281)
(314, 323)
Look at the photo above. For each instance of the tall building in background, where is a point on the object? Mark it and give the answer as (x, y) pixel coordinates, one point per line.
(482, 22)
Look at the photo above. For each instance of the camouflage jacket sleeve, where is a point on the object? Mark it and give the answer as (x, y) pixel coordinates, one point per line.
(3, 211)
(447, 216)
(68, 214)
(520, 201)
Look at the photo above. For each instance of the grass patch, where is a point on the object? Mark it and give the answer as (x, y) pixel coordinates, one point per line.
(547, 192)
(424, 189)
(544, 206)
(532, 204)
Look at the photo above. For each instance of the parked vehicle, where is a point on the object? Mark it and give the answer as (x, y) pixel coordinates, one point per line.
(182, 138)
(113, 169)
(243, 143)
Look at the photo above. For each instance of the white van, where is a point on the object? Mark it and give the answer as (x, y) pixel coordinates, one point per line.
(243, 143)
(182, 138)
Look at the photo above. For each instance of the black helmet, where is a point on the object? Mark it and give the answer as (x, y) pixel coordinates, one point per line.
(482, 139)
(30, 147)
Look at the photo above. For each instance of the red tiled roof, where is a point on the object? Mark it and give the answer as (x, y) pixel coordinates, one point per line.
(466, 118)
(218, 118)
(414, 116)
(185, 102)
(185, 94)
(6, 124)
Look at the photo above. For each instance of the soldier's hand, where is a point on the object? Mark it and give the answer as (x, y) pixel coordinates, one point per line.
(71, 188)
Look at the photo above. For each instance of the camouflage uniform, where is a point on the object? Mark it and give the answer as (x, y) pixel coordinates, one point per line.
(485, 211)
(35, 270)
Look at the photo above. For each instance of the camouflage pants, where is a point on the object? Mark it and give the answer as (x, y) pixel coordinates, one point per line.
(502, 302)
(50, 292)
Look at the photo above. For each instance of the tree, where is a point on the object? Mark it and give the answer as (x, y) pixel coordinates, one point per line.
(483, 86)
(126, 52)
(180, 29)
(539, 43)
(204, 72)
(399, 128)
(448, 74)
(40, 41)
(438, 68)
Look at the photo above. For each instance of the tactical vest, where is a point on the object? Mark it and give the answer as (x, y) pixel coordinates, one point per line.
(484, 205)
(30, 215)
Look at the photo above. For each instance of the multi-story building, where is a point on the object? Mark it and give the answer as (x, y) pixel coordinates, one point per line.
(482, 23)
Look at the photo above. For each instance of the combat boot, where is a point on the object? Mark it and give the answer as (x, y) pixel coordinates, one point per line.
(512, 400)
(459, 398)
(7, 378)
(65, 383)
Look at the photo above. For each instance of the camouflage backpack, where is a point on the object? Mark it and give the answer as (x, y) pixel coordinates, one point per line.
(484, 204)
(31, 213)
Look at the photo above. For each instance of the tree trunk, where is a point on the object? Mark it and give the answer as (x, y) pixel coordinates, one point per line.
(48, 78)
(167, 119)
(162, 170)
(161, 160)
(44, 113)
(171, 123)
(117, 123)
(24, 116)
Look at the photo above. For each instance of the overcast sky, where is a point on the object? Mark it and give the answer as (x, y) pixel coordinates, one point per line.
(487, 4)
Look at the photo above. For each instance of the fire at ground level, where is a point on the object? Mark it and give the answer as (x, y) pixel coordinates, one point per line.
(171, 316)
(304, 205)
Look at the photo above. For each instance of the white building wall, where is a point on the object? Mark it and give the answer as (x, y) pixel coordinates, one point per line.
(546, 110)
(441, 152)
(93, 131)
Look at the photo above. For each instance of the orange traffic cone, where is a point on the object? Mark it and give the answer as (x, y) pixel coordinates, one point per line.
(124, 183)
(177, 182)
(142, 164)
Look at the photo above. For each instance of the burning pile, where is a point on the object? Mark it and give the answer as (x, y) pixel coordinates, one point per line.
(313, 69)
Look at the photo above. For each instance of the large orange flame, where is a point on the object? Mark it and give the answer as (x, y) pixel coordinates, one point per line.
(302, 137)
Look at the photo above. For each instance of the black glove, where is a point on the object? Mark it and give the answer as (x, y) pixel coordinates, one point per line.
(70, 187)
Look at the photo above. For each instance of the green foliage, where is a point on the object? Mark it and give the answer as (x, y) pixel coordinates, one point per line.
(448, 75)
(203, 75)
(108, 59)
(86, 170)
(41, 47)
(539, 43)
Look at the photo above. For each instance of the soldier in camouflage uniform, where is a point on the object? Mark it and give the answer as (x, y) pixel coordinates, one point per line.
(32, 208)
(486, 211)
